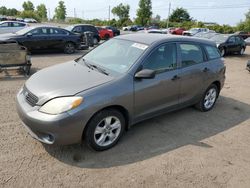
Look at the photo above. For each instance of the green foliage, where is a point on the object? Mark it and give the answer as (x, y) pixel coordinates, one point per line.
(122, 11)
(41, 11)
(29, 14)
(245, 25)
(180, 15)
(144, 13)
(60, 11)
(8, 12)
(28, 6)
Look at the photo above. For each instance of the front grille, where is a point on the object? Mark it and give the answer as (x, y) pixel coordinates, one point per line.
(30, 97)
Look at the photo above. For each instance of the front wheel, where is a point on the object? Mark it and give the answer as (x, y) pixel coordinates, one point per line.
(104, 130)
(208, 99)
(95, 41)
(223, 52)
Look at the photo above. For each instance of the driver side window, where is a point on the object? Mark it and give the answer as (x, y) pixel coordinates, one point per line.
(162, 59)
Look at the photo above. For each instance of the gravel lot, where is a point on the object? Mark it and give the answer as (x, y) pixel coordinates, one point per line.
(186, 148)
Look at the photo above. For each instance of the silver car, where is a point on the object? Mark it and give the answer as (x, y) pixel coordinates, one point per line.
(11, 26)
(125, 80)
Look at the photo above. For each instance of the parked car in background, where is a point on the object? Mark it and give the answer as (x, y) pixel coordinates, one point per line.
(11, 26)
(81, 28)
(227, 43)
(247, 41)
(30, 20)
(156, 31)
(105, 34)
(123, 81)
(126, 28)
(177, 31)
(152, 27)
(206, 35)
(45, 37)
(116, 31)
(243, 34)
(194, 31)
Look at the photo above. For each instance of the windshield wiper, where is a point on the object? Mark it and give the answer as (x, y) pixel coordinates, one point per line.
(91, 66)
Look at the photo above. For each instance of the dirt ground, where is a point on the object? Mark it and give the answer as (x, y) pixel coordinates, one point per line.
(186, 148)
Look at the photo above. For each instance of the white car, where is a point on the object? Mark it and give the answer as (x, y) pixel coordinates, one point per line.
(194, 31)
(11, 26)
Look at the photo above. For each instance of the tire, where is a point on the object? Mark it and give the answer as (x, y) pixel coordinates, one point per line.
(106, 37)
(103, 126)
(95, 41)
(223, 52)
(242, 50)
(69, 48)
(208, 99)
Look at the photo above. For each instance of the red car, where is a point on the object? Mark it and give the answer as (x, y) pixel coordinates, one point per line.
(105, 34)
(177, 31)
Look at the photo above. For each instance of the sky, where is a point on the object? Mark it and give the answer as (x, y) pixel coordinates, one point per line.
(220, 11)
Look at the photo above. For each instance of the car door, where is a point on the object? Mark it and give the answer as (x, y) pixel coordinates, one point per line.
(192, 73)
(56, 38)
(162, 91)
(36, 39)
(239, 43)
(5, 27)
(231, 44)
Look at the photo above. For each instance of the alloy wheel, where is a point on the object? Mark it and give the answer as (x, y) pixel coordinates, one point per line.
(107, 131)
(210, 98)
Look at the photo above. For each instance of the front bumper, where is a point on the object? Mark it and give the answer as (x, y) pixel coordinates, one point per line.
(62, 129)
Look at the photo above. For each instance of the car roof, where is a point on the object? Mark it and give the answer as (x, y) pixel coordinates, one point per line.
(149, 38)
(13, 22)
(83, 25)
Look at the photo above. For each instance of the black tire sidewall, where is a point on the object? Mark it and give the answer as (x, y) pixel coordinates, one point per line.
(90, 129)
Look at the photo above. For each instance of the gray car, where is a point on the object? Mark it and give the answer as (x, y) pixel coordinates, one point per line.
(123, 81)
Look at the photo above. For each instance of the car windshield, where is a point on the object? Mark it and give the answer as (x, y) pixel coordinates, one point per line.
(194, 30)
(24, 31)
(69, 28)
(220, 38)
(116, 55)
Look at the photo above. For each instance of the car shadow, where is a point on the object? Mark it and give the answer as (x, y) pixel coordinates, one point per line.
(158, 136)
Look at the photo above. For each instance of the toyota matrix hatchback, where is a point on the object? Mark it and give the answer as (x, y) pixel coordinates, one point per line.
(125, 80)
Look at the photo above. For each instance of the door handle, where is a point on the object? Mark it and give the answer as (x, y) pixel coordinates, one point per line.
(175, 77)
(206, 69)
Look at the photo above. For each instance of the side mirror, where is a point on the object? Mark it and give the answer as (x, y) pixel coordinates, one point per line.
(29, 35)
(145, 74)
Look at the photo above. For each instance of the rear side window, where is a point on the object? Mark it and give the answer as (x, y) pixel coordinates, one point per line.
(239, 39)
(18, 24)
(6, 24)
(77, 29)
(231, 40)
(191, 54)
(212, 52)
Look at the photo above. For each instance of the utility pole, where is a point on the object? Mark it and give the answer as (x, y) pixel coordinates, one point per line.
(83, 14)
(169, 9)
(109, 12)
(49, 13)
(75, 12)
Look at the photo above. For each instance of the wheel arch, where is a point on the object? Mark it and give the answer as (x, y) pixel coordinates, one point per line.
(218, 85)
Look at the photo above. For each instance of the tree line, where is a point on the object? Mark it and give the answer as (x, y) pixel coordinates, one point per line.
(179, 17)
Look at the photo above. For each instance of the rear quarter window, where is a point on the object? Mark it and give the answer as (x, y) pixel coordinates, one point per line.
(212, 52)
(191, 54)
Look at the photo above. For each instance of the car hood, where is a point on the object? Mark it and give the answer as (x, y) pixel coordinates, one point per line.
(66, 79)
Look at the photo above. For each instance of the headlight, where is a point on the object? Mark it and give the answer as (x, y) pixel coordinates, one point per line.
(60, 105)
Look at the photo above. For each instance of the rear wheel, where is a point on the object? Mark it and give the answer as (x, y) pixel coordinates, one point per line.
(104, 130)
(69, 48)
(208, 99)
(242, 50)
(106, 36)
